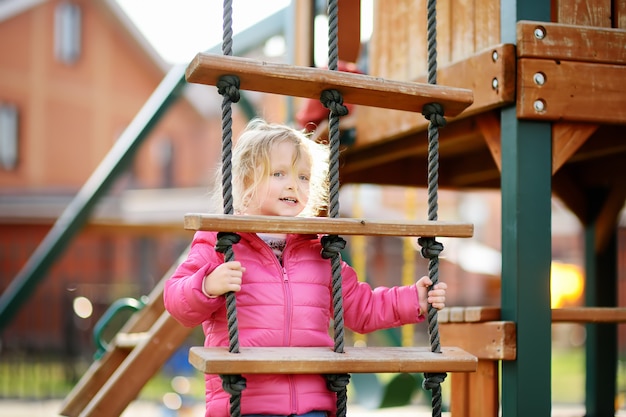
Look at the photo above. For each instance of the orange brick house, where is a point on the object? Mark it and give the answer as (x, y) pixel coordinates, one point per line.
(73, 75)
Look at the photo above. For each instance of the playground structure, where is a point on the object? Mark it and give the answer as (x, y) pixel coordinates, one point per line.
(522, 133)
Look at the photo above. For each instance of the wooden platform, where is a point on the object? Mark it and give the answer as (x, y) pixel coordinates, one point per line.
(323, 360)
(325, 225)
(309, 82)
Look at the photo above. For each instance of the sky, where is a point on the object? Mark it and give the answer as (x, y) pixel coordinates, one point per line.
(179, 29)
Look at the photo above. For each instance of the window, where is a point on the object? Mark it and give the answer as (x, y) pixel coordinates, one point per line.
(67, 33)
(8, 136)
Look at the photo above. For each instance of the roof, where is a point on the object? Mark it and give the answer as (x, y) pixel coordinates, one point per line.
(12, 8)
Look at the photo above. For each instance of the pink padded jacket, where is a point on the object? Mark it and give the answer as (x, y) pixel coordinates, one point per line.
(280, 305)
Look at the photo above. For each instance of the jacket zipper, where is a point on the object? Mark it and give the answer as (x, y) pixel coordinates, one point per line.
(288, 313)
(286, 340)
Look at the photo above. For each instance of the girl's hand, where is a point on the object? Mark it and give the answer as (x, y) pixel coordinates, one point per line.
(223, 279)
(436, 296)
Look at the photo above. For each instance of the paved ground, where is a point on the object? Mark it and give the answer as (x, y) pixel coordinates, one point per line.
(10, 408)
(13, 408)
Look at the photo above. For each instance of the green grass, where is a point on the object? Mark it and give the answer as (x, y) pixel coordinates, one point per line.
(568, 376)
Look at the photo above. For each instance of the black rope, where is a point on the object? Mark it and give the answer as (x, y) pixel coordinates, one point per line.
(430, 247)
(228, 87)
(332, 245)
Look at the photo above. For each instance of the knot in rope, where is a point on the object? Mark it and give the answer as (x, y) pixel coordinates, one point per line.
(228, 85)
(233, 384)
(433, 380)
(225, 240)
(430, 247)
(333, 101)
(337, 382)
(332, 245)
(433, 112)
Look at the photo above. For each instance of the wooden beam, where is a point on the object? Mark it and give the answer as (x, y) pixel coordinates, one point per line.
(619, 14)
(310, 82)
(303, 33)
(476, 394)
(589, 315)
(479, 314)
(323, 360)
(562, 42)
(572, 91)
(490, 74)
(325, 225)
(593, 13)
(456, 136)
(567, 138)
(608, 218)
(493, 340)
(349, 28)
(489, 125)
(571, 194)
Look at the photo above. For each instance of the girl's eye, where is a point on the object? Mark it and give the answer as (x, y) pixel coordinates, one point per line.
(303, 178)
(277, 174)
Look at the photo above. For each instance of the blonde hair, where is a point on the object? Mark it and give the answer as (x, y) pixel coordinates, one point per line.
(251, 164)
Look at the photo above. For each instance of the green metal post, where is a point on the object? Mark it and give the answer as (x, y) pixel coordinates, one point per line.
(526, 186)
(79, 209)
(526, 259)
(601, 344)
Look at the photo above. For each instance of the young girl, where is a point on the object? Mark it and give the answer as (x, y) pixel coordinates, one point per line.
(282, 283)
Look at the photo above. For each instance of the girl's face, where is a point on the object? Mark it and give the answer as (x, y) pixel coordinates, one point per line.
(285, 192)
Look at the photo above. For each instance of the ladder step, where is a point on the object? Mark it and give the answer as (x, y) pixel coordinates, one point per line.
(309, 82)
(323, 360)
(325, 225)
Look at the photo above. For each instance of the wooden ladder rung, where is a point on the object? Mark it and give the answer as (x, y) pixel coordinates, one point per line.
(323, 360)
(309, 82)
(325, 225)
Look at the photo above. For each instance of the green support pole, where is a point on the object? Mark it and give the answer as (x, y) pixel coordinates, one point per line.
(601, 344)
(526, 186)
(526, 259)
(77, 212)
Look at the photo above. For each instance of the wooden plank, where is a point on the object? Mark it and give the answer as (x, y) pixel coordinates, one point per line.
(587, 13)
(619, 14)
(309, 82)
(589, 315)
(460, 394)
(489, 125)
(572, 91)
(470, 314)
(325, 225)
(323, 360)
(571, 43)
(349, 30)
(494, 340)
(443, 315)
(457, 314)
(491, 74)
(481, 314)
(476, 394)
